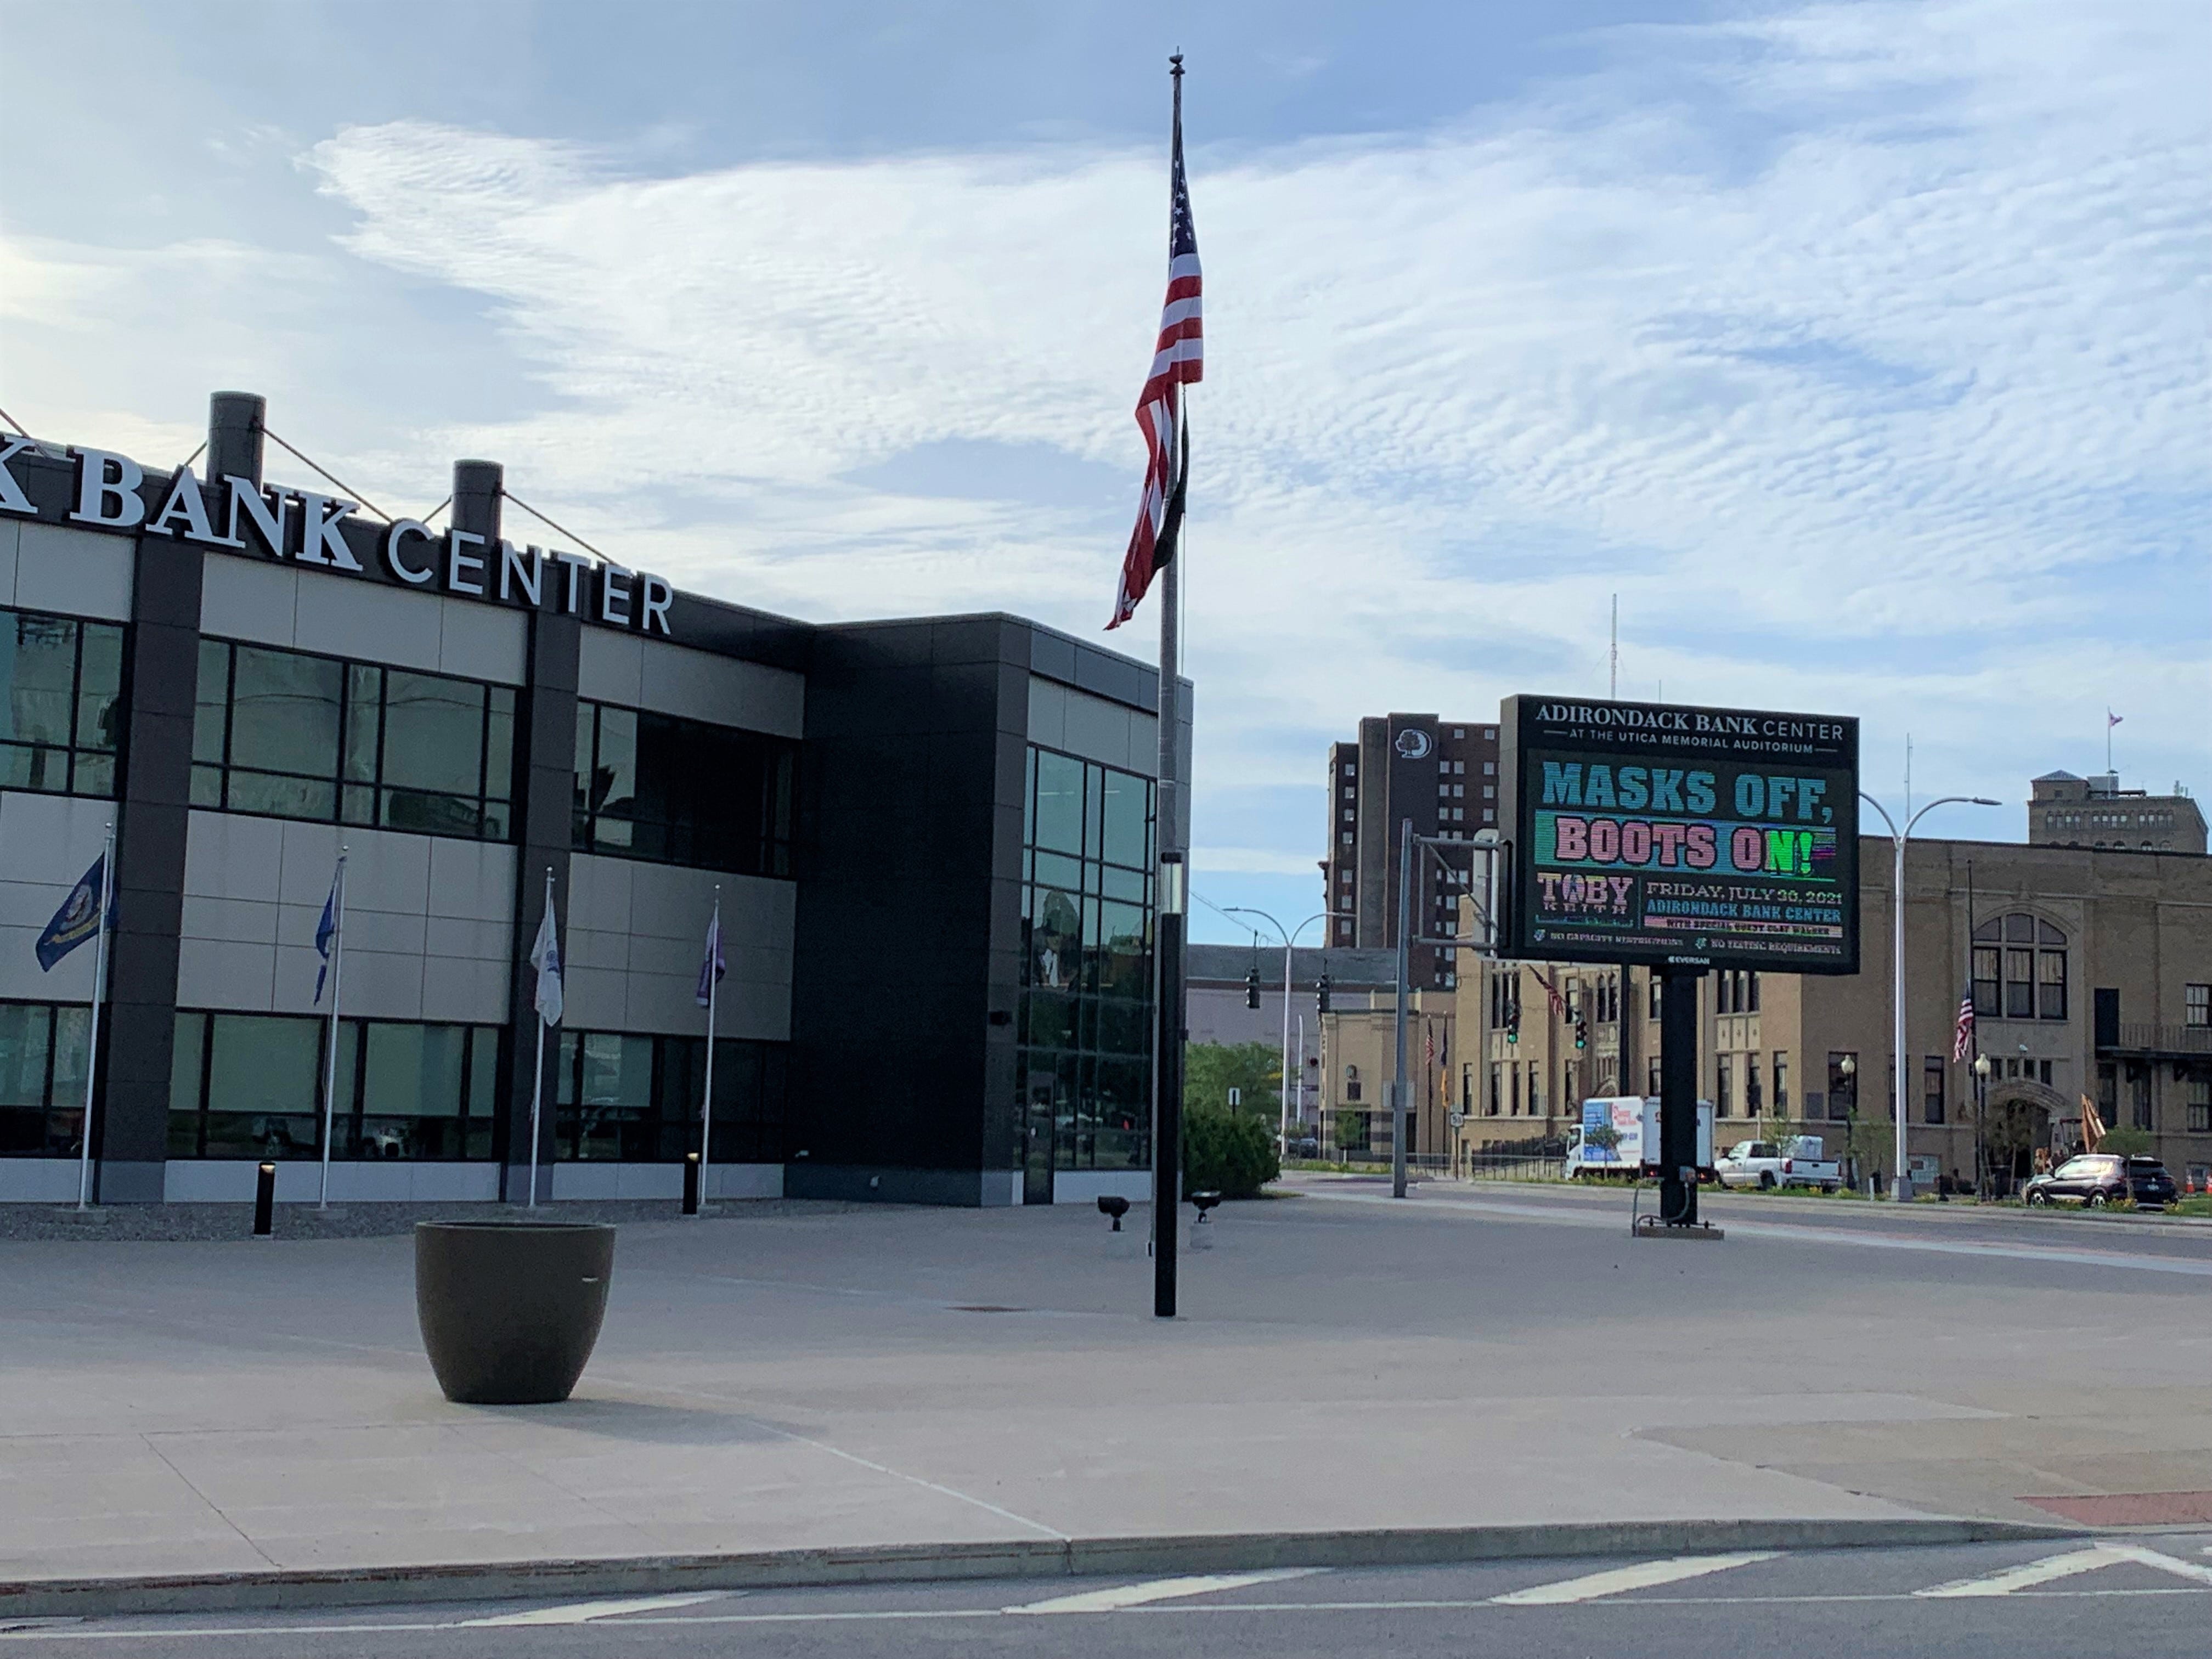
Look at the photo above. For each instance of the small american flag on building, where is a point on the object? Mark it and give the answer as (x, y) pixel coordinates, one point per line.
(1178, 360)
(1962, 1034)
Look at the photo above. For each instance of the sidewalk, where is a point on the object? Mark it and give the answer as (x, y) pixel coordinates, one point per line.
(798, 1377)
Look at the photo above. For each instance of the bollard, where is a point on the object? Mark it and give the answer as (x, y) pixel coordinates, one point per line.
(690, 1183)
(264, 1202)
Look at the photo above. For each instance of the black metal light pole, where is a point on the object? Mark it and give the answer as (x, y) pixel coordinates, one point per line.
(1678, 1094)
(1167, 1110)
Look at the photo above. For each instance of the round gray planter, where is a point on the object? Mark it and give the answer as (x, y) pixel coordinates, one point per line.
(510, 1310)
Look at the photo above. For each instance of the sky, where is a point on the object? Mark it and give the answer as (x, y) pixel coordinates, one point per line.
(1861, 349)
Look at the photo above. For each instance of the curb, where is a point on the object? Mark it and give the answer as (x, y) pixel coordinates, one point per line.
(280, 1588)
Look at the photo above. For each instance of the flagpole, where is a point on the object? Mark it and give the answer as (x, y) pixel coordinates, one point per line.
(1167, 1056)
(707, 1095)
(538, 1068)
(338, 989)
(92, 1040)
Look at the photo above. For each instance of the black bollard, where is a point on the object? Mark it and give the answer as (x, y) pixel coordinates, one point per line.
(690, 1183)
(264, 1202)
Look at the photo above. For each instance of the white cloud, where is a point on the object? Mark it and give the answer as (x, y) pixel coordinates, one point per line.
(1859, 350)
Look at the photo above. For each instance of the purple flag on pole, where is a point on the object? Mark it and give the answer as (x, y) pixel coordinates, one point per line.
(711, 966)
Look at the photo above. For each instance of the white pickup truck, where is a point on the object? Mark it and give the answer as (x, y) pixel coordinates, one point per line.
(1800, 1161)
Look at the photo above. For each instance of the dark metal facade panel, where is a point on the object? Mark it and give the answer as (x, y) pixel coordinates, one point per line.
(153, 820)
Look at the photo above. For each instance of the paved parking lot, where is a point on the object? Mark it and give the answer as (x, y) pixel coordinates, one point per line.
(793, 1378)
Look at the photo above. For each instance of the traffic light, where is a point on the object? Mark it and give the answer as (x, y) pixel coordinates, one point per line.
(1513, 1021)
(1252, 986)
(1321, 994)
(1582, 1032)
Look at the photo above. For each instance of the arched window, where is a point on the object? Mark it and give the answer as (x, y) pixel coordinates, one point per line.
(2020, 968)
(1351, 1083)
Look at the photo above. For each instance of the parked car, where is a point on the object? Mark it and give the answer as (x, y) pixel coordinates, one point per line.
(1801, 1161)
(1308, 1145)
(2098, 1180)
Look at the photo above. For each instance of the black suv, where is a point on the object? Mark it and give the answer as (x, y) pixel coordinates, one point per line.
(2098, 1180)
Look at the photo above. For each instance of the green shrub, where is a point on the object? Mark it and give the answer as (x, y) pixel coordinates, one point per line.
(1232, 1154)
(2126, 1141)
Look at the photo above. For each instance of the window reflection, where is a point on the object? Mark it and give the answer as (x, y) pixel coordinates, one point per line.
(1086, 1005)
(251, 1086)
(60, 703)
(682, 792)
(292, 735)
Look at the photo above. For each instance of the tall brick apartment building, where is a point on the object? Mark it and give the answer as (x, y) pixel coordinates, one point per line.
(1441, 774)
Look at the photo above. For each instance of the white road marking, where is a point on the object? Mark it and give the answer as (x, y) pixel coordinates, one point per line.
(1590, 1586)
(1160, 1589)
(582, 1613)
(290, 1632)
(2066, 1565)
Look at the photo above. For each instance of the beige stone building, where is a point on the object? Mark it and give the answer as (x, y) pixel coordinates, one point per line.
(2091, 970)
(1359, 1059)
(2064, 810)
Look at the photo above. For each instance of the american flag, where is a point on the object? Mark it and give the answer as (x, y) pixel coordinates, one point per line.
(1962, 1034)
(1179, 360)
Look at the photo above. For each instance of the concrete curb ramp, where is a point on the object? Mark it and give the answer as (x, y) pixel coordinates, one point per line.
(490, 1581)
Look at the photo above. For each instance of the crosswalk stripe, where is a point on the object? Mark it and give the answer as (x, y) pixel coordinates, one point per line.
(582, 1613)
(1591, 1586)
(1160, 1589)
(2066, 1564)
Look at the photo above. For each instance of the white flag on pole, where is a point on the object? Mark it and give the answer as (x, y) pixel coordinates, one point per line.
(545, 957)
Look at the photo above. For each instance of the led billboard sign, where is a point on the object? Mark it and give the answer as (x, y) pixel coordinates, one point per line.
(1653, 833)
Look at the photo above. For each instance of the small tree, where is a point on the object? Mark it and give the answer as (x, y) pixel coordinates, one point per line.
(1255, 1070)
(2125, 1143)
(1230, 1153)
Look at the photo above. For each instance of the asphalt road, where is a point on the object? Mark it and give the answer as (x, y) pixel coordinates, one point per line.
(1758, 1213)
(2141, 1595)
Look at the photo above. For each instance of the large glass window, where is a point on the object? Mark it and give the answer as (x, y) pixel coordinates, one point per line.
(60, 703)
(684, 792)
(42, 1047)
(2030, 955)
(630, 1098)
(1086, 962)
(296, 736)
(250, 1085)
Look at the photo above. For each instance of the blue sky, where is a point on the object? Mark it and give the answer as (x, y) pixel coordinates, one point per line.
(1860, 348)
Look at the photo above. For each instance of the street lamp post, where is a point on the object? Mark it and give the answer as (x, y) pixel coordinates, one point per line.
(1288, 938)
(1981, 1127)
(1900, 1181)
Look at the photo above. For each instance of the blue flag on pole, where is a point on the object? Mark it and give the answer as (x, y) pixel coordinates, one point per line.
(78, 919)
(325, 931)
(711, 967)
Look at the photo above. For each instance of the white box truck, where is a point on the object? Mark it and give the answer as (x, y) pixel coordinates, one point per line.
(1619, 1135)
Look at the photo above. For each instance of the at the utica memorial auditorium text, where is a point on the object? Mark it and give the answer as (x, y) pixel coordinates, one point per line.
(1655, 833)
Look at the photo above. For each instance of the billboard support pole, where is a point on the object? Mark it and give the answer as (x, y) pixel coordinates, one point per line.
(1678, 1094)
(1404, 974)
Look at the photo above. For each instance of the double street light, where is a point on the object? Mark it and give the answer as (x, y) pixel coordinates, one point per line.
(1900, 1181)
(1289, 937)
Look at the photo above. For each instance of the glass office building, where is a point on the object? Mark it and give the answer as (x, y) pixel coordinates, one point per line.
(930, 842)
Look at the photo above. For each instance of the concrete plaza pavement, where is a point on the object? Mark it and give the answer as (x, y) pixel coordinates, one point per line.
(796, 1377)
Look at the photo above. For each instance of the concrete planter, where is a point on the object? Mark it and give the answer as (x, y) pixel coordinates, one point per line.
(510, 1310)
